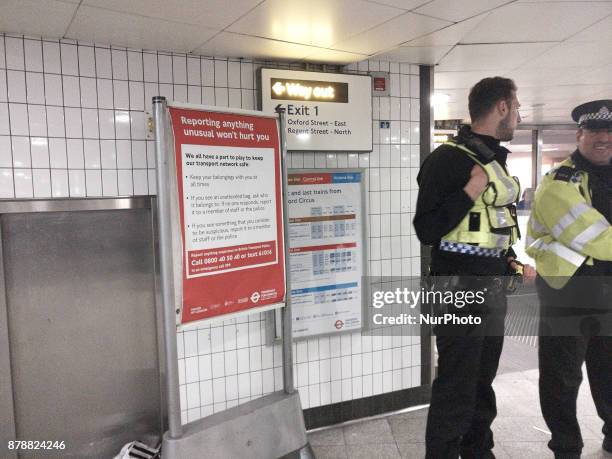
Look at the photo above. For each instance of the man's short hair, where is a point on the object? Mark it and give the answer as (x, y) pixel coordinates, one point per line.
(486, 93)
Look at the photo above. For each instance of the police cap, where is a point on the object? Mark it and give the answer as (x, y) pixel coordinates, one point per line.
(594, 115)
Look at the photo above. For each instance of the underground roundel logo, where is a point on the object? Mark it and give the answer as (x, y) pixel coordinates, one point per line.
(339, 324)
(255, 297)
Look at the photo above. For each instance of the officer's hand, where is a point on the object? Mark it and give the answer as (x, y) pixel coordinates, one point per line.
(477, 183)
(529, 273)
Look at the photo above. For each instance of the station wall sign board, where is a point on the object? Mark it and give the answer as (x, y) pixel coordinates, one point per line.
(327, 250)
(324, 111)
(229, 177)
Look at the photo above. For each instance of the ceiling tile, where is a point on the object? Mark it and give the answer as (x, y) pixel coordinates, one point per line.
(403, 4)
(575, 93)
(574, 1)
(45, 18)
(316, 22)
(573, 55)
(415, 54)
(543, 77)
(491, 57)
(234, 45)
(529, 22)
(391, 34)
(455, 11)
(461, 80)
(598, 75)
(214, 14)
(121, 29)
(601, 31)
(333, 56)
(450, 35)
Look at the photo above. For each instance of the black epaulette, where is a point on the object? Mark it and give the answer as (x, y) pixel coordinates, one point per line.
(564, 173)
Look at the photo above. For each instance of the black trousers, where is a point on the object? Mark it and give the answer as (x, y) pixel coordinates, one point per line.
(463, 403)
(560, 361)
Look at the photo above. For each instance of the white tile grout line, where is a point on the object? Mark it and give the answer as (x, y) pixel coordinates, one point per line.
(369, 418)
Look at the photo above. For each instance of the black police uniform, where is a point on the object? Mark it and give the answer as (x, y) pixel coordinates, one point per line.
(463, 403)
(585, 299)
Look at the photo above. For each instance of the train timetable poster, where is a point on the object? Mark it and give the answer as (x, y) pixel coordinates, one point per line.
(326, 234)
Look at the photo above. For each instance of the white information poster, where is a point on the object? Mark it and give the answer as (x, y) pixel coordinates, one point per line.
(223, 211)
(326, 251)
(324, 111)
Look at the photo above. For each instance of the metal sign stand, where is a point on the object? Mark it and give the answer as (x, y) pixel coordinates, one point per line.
(268, 427)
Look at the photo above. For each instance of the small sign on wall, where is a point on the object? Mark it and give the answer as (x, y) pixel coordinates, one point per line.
(380, 83)
(324, 111)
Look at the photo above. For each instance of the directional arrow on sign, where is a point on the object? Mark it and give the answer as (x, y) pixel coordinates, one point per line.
(278, 88)
(279, 108)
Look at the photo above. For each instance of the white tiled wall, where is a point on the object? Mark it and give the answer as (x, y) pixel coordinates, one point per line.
(72, 124)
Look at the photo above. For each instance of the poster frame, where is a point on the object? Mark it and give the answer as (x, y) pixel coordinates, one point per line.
(273, 330)
(177, 238)
(166, 179)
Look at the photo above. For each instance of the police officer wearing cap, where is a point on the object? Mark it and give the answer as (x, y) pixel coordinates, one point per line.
(466, 212)
(570, 237)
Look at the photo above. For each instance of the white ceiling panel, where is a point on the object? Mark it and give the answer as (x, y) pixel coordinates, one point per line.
(598, 75)
(461, 80)
(315, 23)
(450, 35)
(212, 13)
(46, 18)
(558, 1)
(415, 54)
(390, 34)
(544, 77)
(403, 4)
(234, 45)
(332, 56)
(503, 56)
(120, 29)
(528, 95)
(522, 22)
(573, 92)
(601, 31)
(573, 55)
(455, 11)
(559, 52)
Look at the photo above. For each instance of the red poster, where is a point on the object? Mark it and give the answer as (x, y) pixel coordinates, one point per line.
(230, 199)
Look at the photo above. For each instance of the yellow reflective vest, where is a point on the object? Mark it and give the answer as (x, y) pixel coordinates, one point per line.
(491, 223)
(564, 229)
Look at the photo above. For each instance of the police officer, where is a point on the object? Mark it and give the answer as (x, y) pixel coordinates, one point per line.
(466, 212)
(570, 237)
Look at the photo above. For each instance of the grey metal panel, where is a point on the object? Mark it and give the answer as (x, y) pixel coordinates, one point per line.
(268, 427)
(7, 413)
(426, 90)
(81, 315)
(63, 205)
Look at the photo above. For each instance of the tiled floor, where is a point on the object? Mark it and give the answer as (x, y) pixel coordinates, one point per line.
(520, 431)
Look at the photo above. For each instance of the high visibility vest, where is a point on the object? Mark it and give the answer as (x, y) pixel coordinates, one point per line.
(564, 229)
(491, 223)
